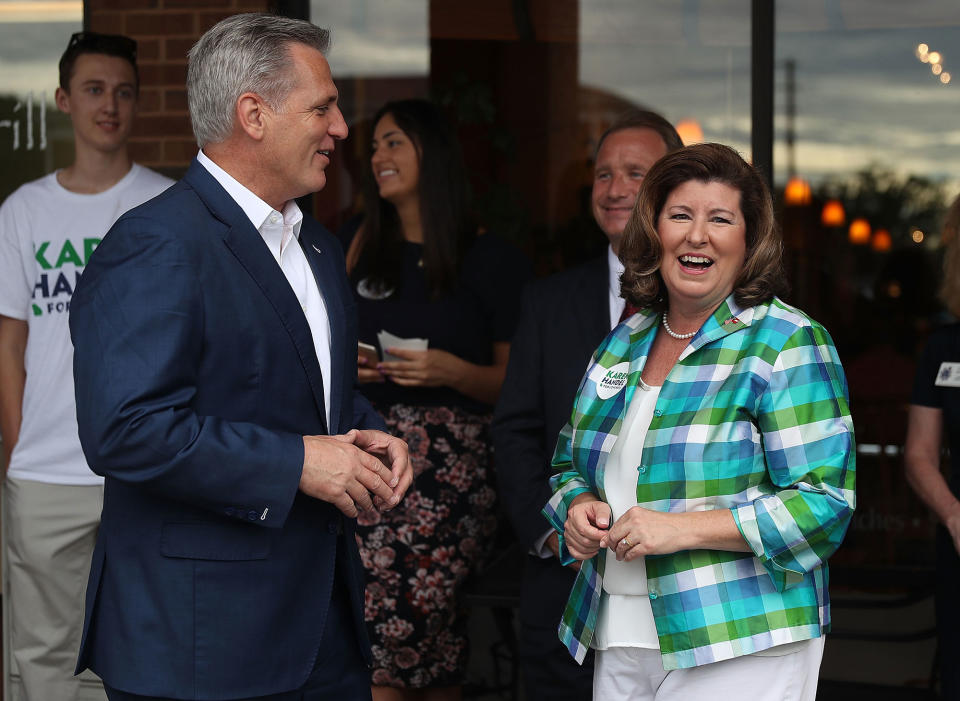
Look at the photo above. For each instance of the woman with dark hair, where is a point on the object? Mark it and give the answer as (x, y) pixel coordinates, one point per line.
(421, 270)
(707, 472)
(935, 415)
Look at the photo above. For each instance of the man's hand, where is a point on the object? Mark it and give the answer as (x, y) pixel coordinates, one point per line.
(553, 543)
(338, 470)
(393, 453)
(587, 522)
(952, 522)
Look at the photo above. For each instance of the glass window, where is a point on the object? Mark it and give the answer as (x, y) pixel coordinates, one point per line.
(532, 85)
(865, 166)
(34, 137)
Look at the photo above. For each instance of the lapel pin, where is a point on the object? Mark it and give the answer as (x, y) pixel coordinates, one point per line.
(731, 320)
(314, 247)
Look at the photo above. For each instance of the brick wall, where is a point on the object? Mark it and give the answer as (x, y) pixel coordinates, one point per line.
(164, 30)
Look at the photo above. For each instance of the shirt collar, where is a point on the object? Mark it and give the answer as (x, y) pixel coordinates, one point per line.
(257, 211)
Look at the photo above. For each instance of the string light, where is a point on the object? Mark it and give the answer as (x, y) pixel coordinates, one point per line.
(935, 61)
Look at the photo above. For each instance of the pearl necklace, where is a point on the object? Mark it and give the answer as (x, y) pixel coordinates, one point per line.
(674, 334)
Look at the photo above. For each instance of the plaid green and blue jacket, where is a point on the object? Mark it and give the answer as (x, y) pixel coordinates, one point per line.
(754, 418)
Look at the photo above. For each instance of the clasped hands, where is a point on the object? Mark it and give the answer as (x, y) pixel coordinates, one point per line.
(357, 471)
(637, 533)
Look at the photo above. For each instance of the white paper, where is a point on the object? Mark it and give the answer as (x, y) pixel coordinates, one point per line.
(388, 340)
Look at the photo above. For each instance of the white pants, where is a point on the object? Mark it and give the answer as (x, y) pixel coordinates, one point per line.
(50, 533)
(637, 674)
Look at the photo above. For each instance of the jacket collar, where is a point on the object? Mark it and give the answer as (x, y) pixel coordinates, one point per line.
(728, 318)
(639, 331)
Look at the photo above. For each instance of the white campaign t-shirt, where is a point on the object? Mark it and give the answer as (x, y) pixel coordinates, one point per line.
(47, 234)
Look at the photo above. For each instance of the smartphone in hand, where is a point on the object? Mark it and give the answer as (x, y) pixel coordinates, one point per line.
(369, 353)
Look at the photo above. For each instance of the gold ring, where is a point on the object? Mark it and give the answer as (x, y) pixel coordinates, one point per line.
(625, 542)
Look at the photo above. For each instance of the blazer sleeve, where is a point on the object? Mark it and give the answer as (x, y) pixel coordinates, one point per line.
(519, 425)
(137, 327)
(804, 419)
(364, 415)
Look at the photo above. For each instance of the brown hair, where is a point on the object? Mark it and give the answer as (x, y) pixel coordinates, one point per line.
(641, 251)
(643, 119)
(95, 43)
(950, 289)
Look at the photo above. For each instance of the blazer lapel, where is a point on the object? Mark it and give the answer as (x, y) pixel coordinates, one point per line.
(246, 244)
(593, 306)
(323, 266)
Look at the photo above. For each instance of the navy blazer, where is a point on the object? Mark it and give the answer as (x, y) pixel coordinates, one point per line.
(196, 378)
(563, 319)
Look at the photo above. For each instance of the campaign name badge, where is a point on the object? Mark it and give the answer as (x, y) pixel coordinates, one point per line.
(613, 380)
(948, 375)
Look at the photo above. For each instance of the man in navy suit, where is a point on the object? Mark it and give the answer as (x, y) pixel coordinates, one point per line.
(562, 321)
(215, 356)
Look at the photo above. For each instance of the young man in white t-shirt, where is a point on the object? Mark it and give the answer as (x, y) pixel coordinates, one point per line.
(48, 229)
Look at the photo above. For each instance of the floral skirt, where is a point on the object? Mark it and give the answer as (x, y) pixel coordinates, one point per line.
(418, 555)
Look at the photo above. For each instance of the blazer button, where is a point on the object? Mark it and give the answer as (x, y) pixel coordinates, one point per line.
(653, 595)
(658, 412)
(642, 469)
(252, 515)
(332, 527)
(229, 511)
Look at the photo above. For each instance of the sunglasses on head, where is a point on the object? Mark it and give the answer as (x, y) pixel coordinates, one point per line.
(115, 44)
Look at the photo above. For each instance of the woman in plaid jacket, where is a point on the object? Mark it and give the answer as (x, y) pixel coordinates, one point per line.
(707, 472)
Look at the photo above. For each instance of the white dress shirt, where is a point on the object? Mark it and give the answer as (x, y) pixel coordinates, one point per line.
(617, 303)
(281, 234)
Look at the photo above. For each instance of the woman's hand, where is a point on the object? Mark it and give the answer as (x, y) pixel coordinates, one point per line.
(439, 368)
(642, 532)
(422, 368)
(922, 459)
(365, 374)
(586, 526)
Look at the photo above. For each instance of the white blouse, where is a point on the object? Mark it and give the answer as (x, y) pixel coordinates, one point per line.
(625, 618)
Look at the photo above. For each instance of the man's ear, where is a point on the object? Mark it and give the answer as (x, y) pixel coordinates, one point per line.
(251, 116)
(62, 98)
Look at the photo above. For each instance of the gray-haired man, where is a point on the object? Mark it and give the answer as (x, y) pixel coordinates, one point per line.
(215, 361)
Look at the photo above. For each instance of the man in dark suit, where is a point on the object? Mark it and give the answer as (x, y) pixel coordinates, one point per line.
(215, 361)
(563, 319)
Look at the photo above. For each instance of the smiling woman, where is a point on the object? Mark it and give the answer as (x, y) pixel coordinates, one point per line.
(708, 204)
(703, 235)
(422, 269)
(739, 513)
